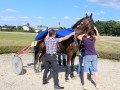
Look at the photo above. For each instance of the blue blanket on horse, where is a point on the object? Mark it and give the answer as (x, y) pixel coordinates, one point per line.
(59, 33)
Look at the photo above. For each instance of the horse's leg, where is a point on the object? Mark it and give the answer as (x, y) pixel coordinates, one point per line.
(39, 50)
(72, 65)
(36, 60)
(41, 61)
(68, 66)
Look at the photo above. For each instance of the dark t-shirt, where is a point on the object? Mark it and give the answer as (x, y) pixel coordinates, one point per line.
(89, 46)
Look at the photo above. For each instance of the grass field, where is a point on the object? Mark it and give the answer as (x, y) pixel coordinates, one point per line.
(11, 42)
(107, 46)
(16, 38)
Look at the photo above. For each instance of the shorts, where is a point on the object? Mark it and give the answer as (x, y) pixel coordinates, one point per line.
(90, 60)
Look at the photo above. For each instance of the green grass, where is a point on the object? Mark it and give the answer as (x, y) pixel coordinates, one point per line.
(10, 42)
(16, 39)
(108, 47)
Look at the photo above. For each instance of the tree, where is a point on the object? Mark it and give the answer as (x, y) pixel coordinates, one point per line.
(61, 28)
(117, 29)
(19, 28)
(110, 27)
(28, 24)
(100, 25)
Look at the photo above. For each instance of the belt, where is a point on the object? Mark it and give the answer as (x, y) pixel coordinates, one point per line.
(50, 54)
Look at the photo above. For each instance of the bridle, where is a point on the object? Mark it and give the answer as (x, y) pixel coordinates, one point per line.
(88, 23)
(82, 23)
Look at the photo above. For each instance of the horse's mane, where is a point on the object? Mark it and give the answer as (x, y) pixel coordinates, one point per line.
(77, 23)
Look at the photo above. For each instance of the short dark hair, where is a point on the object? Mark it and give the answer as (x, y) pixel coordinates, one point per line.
(90, 33)
(51, 32)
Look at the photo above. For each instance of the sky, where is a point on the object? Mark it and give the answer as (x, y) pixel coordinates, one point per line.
(53, 13)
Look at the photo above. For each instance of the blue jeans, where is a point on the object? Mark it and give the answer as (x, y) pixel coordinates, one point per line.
(59, 57)
(80, 67)
(63, 57)
(90, 61)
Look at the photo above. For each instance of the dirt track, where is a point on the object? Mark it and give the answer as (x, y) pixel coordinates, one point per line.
(109, 74)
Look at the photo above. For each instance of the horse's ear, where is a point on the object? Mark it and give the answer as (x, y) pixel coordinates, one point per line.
(91, 15)
(86, 15)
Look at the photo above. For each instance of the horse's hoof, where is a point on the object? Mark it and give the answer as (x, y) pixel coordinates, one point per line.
(42, 66)
(36, 71)
(72, 76)
(64, 62)
(64, 65)
(66, 79)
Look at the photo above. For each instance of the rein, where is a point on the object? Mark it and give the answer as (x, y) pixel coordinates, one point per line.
(23, 50)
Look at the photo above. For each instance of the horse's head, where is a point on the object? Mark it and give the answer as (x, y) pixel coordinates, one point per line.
(84, 24)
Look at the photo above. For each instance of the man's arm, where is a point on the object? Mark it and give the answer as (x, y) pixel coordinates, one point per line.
(66, 37)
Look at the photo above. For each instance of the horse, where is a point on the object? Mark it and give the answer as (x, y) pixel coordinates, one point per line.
(70, 48)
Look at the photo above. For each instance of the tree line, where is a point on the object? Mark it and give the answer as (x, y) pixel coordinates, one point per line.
(17, 29)
(110, 27)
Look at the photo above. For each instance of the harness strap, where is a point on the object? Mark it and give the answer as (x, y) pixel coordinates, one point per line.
(26, 48)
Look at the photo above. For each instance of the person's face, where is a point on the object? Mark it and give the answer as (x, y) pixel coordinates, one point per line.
(54, 35)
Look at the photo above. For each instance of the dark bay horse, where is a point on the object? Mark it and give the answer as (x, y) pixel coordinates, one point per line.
(69, 46)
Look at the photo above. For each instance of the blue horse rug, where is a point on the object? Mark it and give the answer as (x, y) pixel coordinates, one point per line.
(59, 34)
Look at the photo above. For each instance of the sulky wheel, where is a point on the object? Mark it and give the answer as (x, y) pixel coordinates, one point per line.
(17, 65)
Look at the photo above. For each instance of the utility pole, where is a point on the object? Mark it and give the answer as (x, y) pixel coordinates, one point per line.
(59, 24)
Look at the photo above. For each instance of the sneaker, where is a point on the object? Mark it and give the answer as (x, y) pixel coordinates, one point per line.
(58, 87)
(45, 82)
(59, 63)
(84, 88)
(97, 86)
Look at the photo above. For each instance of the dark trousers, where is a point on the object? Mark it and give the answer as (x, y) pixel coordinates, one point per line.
(51, 62)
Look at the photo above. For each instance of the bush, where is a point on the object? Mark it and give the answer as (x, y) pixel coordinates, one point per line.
(106, 55)
(9, 49)
(15, 49)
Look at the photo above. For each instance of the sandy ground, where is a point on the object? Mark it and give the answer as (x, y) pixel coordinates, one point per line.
(109, 75)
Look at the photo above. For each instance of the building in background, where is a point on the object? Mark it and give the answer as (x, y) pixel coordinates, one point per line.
(7, 27)
(26, 27)
(40, 28)
(55, 28)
